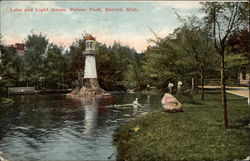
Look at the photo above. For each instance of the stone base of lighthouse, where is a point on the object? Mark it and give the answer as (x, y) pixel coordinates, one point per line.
(90, 87)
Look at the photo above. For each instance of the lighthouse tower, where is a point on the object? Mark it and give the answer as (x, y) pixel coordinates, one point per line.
(90, 84)
(90, 63)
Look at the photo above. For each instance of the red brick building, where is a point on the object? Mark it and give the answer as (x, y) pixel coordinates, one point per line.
(19, 49)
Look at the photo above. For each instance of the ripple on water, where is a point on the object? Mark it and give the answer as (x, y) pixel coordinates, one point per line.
(54, 127)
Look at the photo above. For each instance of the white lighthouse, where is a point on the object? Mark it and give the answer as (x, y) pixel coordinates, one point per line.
(90, 63)
(90, 85)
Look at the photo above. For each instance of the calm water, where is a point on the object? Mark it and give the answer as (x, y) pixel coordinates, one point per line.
(55, 127)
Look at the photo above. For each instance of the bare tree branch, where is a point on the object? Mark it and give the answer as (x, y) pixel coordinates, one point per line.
(219, 31)
(231, 25)
(214, 30)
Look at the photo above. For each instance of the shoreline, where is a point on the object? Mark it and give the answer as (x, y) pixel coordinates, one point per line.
(5, 101)
(195, 134)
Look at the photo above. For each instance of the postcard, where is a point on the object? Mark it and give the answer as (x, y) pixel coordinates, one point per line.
(124, 80)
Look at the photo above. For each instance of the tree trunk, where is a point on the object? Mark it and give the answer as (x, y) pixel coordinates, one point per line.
(196, 84)
(223, 91)
(43, 84)
(202, 83)
(193, 84)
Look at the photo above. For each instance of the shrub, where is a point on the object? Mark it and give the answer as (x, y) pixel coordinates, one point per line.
(186, 96)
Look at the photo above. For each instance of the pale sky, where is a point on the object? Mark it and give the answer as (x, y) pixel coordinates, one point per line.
(62, 28)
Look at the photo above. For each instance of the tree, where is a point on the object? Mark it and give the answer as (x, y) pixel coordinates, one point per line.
(55, 67)
(11, 65)
(106, 68)
(223, 19)
(76, 63)
(237, 58)
(136, 63)
(115, 68)
(161, 63)
(195, 45)
(34, 57)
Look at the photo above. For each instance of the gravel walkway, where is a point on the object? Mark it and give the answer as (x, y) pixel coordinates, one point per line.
(240, 91)
(243, 93)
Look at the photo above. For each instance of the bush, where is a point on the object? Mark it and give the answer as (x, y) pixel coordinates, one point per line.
(186, 96)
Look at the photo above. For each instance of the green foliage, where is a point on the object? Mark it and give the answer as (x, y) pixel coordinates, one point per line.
(11, 67)
(46, 66)
(55, 66)
(229, 16)
(160, 64)
(34, 59)
(137, 75)
(237, 56)
(44, 63)
(42, 66)
(223, 19)
(234, 64)
(195, 134)
(186, 96)
(195, 44)
(76, 63)
(238, 41)
(118, 67)
(186, 53)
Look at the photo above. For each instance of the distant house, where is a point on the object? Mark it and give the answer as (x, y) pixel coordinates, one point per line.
(244, 78)
(19, 49)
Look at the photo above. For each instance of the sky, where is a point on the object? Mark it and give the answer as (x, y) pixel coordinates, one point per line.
(64, 27)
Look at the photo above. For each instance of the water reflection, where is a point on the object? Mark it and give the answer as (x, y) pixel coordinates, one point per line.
(93, 108)
(54, 127)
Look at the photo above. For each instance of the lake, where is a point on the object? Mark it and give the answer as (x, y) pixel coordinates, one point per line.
(56, 127)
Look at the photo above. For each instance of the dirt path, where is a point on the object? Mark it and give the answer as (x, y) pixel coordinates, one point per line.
(239, 91)
(243, 93)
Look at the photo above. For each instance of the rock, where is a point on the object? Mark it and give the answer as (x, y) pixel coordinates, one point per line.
(90, 87)
(170, 103)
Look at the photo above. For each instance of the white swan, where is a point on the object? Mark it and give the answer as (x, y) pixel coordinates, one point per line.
(135, 102)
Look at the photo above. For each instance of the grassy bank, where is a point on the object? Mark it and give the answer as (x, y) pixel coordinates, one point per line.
(195, 134)
(5, 101)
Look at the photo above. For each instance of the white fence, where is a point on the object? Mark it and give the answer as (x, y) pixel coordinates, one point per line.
(20, 90)
(216, 82)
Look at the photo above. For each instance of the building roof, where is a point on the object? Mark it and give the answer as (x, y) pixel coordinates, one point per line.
(90, 37)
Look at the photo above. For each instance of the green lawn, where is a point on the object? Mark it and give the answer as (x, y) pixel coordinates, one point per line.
(195, 134)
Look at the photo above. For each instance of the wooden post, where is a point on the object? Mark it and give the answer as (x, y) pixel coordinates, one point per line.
(193, 84)
(202, 82)
(196, 84)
